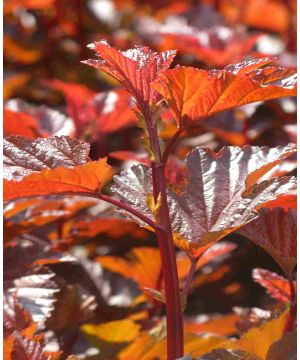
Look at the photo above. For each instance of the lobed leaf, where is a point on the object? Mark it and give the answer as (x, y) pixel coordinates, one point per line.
(135, 68)
(275, 230)
(194, 94)
(221, 193)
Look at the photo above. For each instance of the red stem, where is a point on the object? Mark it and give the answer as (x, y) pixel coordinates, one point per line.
(167, 250)
(290, 321)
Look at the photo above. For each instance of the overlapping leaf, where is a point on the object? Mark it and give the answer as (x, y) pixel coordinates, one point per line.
(143, 266)
(55, 165)
(222, 193)
(135, 68)
(194, 94)
(275, 230)
(92, 112)
(277, 286)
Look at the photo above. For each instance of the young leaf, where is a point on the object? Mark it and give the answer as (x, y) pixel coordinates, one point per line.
(275, 231)
(277, 286)
(135, 69)
(194, 94)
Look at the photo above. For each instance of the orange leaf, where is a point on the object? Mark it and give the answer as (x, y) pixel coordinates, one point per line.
(135, 68)
(84, 178)
(194, 94)
(143, 266)
(17, 123)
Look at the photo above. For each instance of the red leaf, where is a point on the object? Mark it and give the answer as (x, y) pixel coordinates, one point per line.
(277, 286)
(104, 112)
(216, 200)
(275, 231)
(194, 94)
(135, 69)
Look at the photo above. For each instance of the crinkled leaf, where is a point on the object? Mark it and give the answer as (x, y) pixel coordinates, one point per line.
(84, 178)
(135, 68)
(216, 200)
(275, 230)
(23, 156)
(277, 286)
(194, 94)
(15, 317)
(25, 348)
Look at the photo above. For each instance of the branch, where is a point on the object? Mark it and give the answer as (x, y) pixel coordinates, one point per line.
(189, 278)
(119, 204)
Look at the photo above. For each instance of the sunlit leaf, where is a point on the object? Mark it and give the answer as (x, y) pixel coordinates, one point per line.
(259, 339)
(277, 286)
(19, 124)
(23, 156)
(275, 231)
(37, 293)
(135, 68)
(216, 200)
(194, 94)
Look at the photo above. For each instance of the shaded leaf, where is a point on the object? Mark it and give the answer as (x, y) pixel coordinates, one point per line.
(142, 266)
(222, 354)
(285, 348)
(277, 286)
(193, 94)
(275, 231)
(135, 68)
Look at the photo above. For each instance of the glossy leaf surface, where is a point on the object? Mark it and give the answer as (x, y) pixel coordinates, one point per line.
(194, 94)
(275, 231)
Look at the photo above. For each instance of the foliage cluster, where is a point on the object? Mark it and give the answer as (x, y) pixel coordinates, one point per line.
(150, 191)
